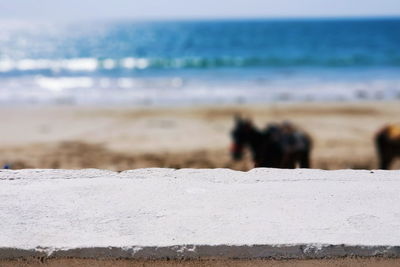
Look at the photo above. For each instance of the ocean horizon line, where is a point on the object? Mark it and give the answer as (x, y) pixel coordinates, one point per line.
(215, 19)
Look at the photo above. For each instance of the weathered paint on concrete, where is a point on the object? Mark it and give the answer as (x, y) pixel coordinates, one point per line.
(187, 213)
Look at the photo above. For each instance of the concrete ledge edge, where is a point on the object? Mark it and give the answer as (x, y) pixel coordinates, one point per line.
(301, 251)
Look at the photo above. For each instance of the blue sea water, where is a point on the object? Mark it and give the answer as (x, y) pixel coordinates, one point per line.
(186, 62)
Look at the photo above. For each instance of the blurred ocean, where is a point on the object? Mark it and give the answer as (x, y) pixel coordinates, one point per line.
(205, 62)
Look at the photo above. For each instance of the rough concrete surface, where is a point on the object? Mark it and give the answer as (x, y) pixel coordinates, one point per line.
(199, 214)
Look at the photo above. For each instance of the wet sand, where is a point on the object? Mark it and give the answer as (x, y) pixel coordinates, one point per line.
(182, 137)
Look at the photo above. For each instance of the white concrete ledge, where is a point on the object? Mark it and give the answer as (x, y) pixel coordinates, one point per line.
(187, 213)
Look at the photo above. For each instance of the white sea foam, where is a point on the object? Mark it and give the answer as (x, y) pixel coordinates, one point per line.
(179, 91)
(58, 84)
(131, 63)
(109, 64)
(73, 65)
(82, 84)
(6, 65)
(81, 64)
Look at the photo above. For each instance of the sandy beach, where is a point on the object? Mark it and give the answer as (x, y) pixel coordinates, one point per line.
(117, 138)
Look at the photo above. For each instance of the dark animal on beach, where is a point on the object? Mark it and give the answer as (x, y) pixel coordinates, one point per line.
(387, 141)
(277, 146)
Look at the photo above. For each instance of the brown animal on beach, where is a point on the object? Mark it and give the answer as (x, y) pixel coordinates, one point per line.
(387, 141)
(279, 145)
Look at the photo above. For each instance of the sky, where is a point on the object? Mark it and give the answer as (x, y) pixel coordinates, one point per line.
(192, 9)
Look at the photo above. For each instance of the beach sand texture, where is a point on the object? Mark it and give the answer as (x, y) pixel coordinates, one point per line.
(182, 137)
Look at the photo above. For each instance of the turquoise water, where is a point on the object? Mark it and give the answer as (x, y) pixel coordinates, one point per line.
(200, 61)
